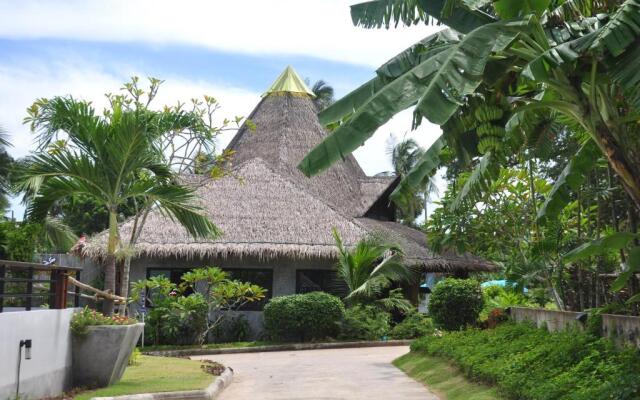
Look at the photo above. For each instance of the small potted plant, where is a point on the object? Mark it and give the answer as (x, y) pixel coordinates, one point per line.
(101, 347)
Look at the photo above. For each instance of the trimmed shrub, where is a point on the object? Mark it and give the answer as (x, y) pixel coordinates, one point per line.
(303, 317)
(364, 322)
(527, 363)
(456, 303)
(413, 326)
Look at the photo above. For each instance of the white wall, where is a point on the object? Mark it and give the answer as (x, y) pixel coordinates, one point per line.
(48, 373)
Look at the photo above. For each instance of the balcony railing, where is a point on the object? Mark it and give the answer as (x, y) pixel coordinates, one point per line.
(31, 285)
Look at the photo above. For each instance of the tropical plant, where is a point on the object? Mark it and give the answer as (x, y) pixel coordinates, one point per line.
(6, 161)
(303, 317)
(509, 80)
(323, 92)
(369, 269)
(187, 313)
(415, 325)
(455, 304)
(404, 155)
(365, 322)
(112, 159)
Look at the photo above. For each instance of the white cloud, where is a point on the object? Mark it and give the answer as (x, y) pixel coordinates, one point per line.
(318, 28)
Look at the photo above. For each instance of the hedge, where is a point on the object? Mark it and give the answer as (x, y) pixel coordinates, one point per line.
(303, 317)
(528, 363)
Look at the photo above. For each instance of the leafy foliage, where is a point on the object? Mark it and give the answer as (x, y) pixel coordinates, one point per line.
(189, 312)
(456, 303)
(414, 325)
(303, 317)
(82, 320)
(532, 364)
(364, 322)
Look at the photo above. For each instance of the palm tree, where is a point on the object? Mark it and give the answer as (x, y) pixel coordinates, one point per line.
(111, 159)
(405, 155)
(324, 94)
(370, 268)
(5, 167)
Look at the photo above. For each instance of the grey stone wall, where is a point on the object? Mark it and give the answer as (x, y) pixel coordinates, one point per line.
(553, 320)
(622, 329)
(48, 372)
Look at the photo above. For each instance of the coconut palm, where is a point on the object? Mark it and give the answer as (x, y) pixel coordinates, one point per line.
(370, 268)
(5, 166)
(111, 159)
(324, 94)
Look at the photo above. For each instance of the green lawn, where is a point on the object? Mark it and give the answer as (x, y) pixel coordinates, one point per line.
(163, 347)
(155, 374)
(442, 378)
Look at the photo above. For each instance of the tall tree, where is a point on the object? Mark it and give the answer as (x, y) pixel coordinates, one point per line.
(111, 159)
(509, 73)
(6, 161)
(324, 94)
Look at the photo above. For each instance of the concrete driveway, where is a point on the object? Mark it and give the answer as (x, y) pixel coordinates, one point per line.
(359, 373)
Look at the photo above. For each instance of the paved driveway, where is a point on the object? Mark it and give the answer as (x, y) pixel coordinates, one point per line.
(361, 373)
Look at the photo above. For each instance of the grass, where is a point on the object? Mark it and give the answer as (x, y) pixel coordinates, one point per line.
(164, 347)
(442, 378)
(155, 374)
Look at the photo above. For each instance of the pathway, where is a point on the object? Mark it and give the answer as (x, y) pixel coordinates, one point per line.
(358, 373)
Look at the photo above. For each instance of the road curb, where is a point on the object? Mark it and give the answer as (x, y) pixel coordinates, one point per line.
(280, 347)
(210, 393)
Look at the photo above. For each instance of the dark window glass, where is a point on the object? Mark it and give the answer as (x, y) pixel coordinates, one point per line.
(318, 280)
(260, 277)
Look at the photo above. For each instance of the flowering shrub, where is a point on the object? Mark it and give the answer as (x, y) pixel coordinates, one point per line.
(81, 321)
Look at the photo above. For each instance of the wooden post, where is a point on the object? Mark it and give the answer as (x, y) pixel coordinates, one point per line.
(29, 290)
(61, 291)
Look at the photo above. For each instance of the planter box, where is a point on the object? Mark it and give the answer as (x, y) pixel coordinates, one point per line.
(100, 357)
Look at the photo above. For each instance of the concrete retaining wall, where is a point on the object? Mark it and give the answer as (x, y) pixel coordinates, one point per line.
(622, 329)
(553, 320)
(48, 373)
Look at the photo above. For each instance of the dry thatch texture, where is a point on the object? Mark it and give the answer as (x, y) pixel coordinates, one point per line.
(287, 128)
(371, 188)
(275, 211)
(413, 243)
(261, 214)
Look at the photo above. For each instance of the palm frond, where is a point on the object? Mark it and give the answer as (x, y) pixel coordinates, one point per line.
(478, 181)
(379, 13)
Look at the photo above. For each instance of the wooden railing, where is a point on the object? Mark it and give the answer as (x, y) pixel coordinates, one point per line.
(32, 285)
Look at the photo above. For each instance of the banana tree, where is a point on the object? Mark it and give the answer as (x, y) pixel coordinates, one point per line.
(541, 63)
(111, 159)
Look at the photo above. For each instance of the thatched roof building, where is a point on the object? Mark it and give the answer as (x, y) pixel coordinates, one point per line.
(267, 209)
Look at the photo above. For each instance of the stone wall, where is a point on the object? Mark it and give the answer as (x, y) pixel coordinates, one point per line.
(48, 372)
(622, 329)
(553, 320)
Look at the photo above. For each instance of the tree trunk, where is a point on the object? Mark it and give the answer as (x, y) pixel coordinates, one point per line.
(110, 266)
(627, 170)
(124, 287)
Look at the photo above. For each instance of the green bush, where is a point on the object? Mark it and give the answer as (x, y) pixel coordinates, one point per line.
(413, 326)
(364, 322)
(81, 321)
(528, 363)
(456, 303)
(303, 317)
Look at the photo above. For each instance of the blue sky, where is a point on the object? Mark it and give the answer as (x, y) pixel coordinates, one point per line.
(231, 50)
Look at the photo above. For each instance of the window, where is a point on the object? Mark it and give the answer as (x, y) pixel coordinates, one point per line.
(314, 280)
(260, 277)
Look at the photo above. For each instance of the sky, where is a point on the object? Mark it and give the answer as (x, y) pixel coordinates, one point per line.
(232, 50)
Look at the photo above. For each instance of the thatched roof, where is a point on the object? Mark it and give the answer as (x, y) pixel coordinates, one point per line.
(267, 208)
(260, 213)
